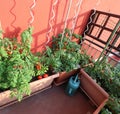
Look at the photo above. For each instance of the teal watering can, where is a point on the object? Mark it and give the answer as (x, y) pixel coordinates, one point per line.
(72, 86)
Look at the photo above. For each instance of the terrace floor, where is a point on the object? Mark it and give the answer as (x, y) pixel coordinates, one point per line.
(52, 101)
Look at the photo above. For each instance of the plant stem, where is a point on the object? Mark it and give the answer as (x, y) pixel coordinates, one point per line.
(68, 11)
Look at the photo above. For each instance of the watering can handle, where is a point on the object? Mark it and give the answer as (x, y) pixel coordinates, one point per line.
(76, 77)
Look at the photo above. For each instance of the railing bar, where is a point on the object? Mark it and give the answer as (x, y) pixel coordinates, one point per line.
(103, 47)
(110, 14)
(101, 41)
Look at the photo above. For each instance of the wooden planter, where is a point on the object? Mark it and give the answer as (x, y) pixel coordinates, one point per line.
(36, 86)
(95, 93)
(64, 76)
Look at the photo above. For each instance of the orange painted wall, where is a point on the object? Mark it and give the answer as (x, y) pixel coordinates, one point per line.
(15, 16)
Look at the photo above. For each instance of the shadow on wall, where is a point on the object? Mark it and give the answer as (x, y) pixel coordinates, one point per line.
(53, 21)
(39, 38)
(58, 27)
(12, 34)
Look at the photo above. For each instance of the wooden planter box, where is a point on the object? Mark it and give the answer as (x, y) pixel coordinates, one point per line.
(35, 86)
(64, 76)
(95, 93)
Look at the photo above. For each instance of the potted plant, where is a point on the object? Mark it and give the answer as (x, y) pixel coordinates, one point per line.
(108, 78)
(113, 88)
(64, 56)
(97, 96)
(18, 68)
(92, 84)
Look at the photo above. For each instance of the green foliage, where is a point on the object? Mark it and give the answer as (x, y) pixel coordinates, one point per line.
(17, 65)
(64, 54)
(26, 38)
(114, 105)
(106, 76)
(105, 111)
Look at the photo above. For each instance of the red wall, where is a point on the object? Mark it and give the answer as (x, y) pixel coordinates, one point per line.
(15, 16)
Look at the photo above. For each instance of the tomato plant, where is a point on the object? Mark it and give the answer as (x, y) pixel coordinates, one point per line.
(38, 66)
(39, 77)
(20, 51)
(109, 79)
(64, 54)
(45, 75)
(18, 64)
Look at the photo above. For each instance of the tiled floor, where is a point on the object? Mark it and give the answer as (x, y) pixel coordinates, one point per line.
(51, 101)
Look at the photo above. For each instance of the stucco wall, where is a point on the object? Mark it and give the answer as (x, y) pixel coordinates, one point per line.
(15, 16)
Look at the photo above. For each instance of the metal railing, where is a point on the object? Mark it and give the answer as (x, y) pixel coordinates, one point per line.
(99, 34)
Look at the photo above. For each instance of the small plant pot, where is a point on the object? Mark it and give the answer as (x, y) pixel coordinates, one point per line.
(64, 76)
(97, 95)
(35, 86)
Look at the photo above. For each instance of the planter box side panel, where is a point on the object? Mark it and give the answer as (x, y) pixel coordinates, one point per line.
(34, 86)
(100, 107)
(43, 83)
(64, 76)
(92, 89)
(5, 97)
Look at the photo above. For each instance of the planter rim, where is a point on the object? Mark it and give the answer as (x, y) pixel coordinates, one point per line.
(94, 83)
(51, 76)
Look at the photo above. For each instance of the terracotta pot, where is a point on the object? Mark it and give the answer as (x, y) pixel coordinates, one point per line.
(96, 94)
(35, 86)
(64, 76)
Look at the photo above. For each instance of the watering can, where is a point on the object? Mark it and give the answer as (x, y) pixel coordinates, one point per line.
(73, 85)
